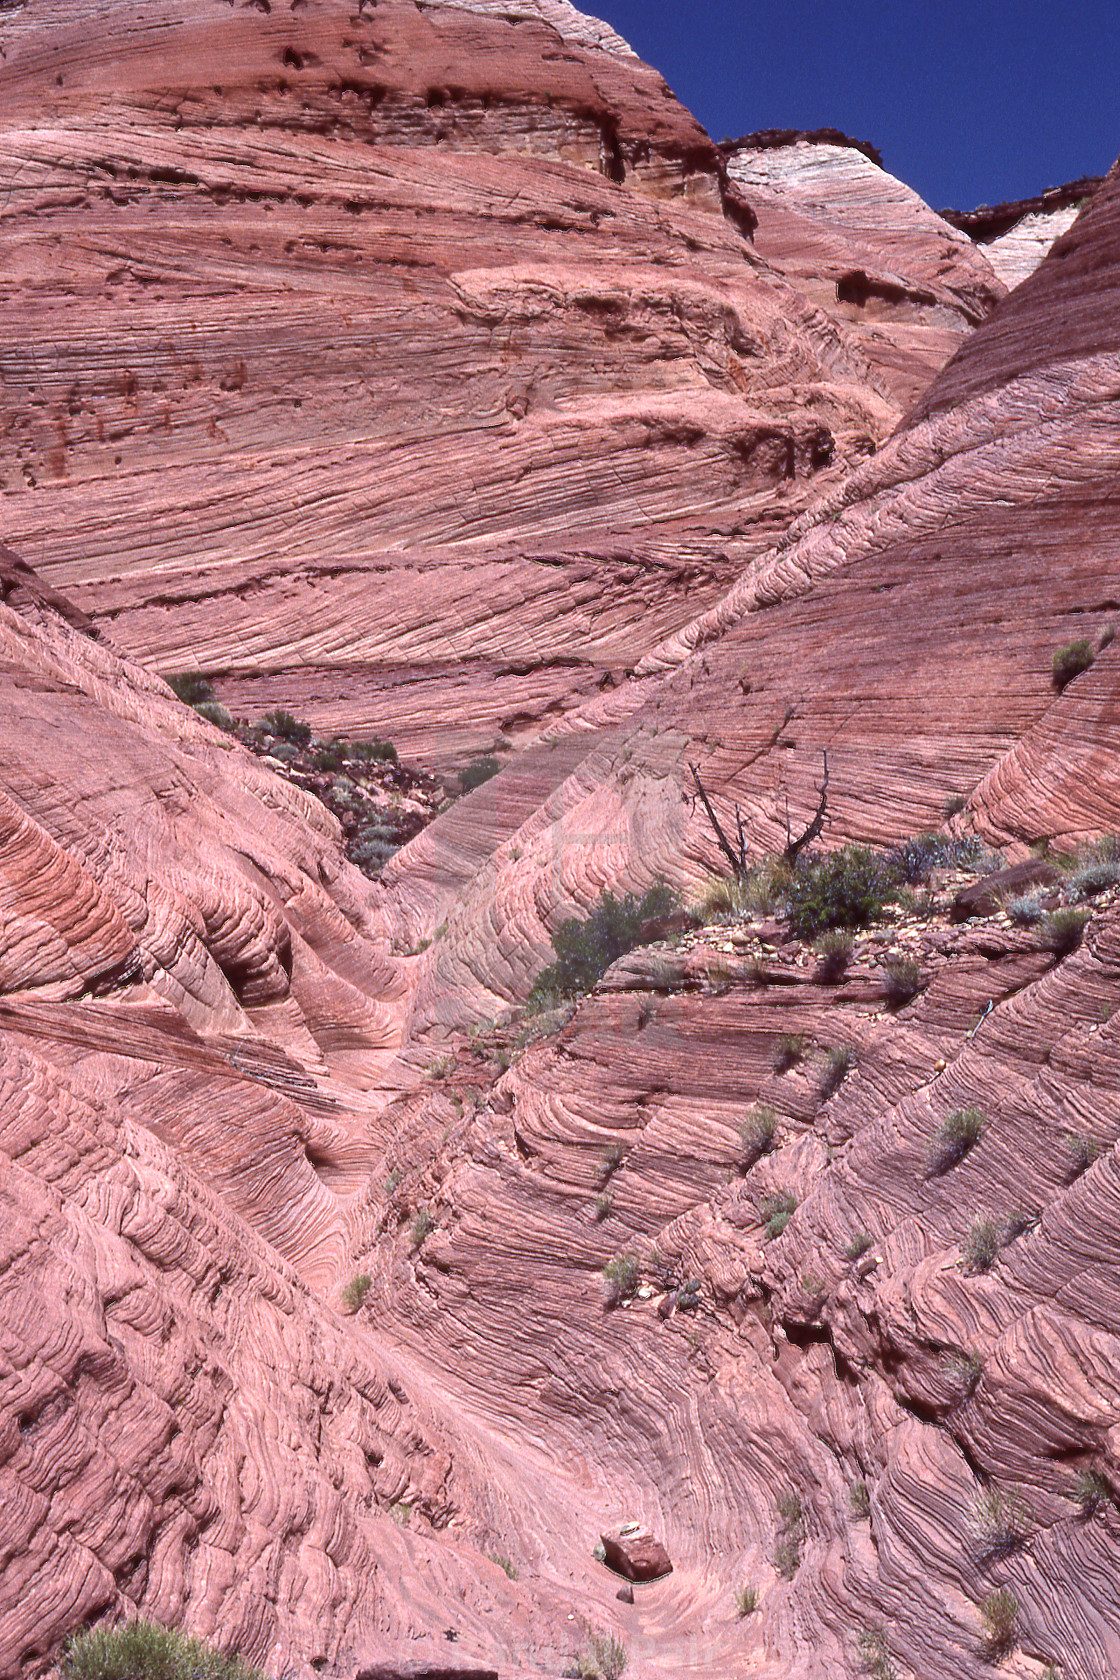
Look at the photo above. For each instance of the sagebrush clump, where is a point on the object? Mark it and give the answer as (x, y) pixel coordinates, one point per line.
(143, 1650)
(1070, 660)
(354, 1295)
(620, 1279)
(1000, 1611)
(957, 1134)
(757, 1134)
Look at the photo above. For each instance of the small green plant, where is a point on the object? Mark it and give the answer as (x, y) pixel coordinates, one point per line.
(788, 1052)
(421, 1228)
(837, 1065)
(620, 1278)
(1091, 1492)
(1025, 909)
(874, 1654)
(757, 1134)
(963, 1371)
(193, 689)
(746, 1601)
(610, 1161)
(604, 1202)
(393, 1181)
(980, 1248)
(847, 888)
(585, 950)
(1000, 1613)
(1093, 877)
(790, 1508)
(954, 805)
(957, 1134)
(859, 1501)
(354, 1295)
(776, 1211)
(601, 1656)
(143, 1650)
(441, 1068)
(834, 953)
(286, 727)
(902, 980)
(1062, 930)
(787, 1548)
(505, 1564)
(1069, 662)
(859, 1245)
(480, 771)
(401, 1512)
(1082, 1151)
(1020, 1222)
(1002, 1523)
(215, 714)
(370, 751)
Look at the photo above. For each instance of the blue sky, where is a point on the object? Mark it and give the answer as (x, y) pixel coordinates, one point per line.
(968, 103)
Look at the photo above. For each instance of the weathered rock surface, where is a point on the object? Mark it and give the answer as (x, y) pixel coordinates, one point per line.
(418, 352)
(866, 249)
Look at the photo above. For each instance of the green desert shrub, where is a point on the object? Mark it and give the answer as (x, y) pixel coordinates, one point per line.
(586, 949)
(835, 1069)
(833, 952)
(371, 751)
(1000, 1613)
(788, 1052)
(1091, 1492)
(480, 771)
(746, 1600)
(757, 1134)
(505, 1564)
(143, 1650)
(874, 1654)
(1002, 1523)
(1094, 876)
(859, 1245)
(354, 1295)
(776, 1210)
(1025, 909)
(286, 727)
(421, 1228)
(902, 980)
(1061, 932)
(1082, 1151)
(957, 1134)
(193, 689)
(847, 888)
(1069, 662)
(980, 1248)
(859, 1501)
(620, 1278)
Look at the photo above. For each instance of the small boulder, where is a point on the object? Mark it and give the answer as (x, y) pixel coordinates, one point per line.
(632, 1551)
(986, 896)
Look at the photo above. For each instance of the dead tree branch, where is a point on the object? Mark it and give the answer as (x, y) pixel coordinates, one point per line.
(738, 861)
(794, 848)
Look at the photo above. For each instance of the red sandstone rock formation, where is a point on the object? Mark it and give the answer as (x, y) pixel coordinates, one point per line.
(237, 1077)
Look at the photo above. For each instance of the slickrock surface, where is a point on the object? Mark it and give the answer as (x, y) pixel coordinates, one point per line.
(866, 249)
(404, 356)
